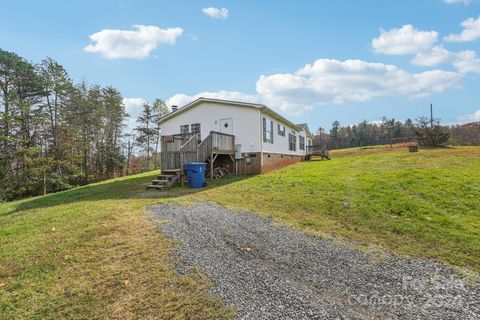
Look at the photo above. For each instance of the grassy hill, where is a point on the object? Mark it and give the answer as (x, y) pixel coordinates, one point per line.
(90, 252)
(424, 204)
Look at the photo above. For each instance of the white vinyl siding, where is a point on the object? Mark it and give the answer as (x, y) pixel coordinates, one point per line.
(280, 143)
(246, 123)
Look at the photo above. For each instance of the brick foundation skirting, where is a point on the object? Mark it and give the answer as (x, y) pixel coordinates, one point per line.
(273, 161)
(251, 162)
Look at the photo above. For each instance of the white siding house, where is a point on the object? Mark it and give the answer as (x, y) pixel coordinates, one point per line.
(264, 139)
(242, 122)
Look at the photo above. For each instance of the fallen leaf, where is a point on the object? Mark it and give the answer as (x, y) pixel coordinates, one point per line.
(2, 284)
(126, 282)
(53, 229)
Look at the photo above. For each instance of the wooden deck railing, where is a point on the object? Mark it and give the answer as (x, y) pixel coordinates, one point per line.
(179, 149)
(221, 142)
(171, 155)
(315, 150)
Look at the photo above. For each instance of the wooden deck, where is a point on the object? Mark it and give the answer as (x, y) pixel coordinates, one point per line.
(182, 148)
(317, 150)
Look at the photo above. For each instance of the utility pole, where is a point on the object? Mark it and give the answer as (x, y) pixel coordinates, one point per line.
(431, 115)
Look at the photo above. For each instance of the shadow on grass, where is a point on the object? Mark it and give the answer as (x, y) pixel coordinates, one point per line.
(315, 159)
(132, 187)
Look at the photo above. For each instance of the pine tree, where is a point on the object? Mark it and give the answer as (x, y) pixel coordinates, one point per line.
(146, 131)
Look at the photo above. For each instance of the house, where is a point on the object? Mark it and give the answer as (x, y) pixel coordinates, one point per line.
(247, 137)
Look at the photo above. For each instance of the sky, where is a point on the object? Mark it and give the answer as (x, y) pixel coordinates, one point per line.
(311, 61)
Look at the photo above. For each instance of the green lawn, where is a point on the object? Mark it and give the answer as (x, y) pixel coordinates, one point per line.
(90, 253)
(424, 204)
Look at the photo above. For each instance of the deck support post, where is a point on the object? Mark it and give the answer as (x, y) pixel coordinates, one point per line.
(213, 157)
(211, 165)
(234, 167)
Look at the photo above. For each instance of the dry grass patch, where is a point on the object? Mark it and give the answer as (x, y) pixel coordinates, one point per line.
(89, 253)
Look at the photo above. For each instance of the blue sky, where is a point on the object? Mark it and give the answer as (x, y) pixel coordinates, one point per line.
(313, 61)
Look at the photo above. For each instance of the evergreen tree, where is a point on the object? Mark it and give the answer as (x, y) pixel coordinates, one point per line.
(146, 131)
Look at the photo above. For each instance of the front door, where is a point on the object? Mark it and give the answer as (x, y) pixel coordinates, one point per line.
(226, 126)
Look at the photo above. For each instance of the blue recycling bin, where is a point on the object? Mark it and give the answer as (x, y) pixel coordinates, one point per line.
(195, 174)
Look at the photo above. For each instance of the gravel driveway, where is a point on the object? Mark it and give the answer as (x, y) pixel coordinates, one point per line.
(271, 272)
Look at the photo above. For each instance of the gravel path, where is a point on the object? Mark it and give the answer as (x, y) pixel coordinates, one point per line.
(272, 272)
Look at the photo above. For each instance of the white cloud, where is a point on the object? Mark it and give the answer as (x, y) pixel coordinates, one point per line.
(406, 40)
(216, 13)
(463, 61)
(134, 44)
(464, 2)
(474, 117)
(133, 106)
(332, 81)
(470, 32)
(466, 62)
(181, 99)
(432, 57)
(329, 81)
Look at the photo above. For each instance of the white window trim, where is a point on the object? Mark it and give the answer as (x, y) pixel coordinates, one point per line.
(182, 126)
(294, 142)
(300, 144)
(267, 138)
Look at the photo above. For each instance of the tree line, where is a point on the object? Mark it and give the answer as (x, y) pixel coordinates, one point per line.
(55, 134)
(424, 131)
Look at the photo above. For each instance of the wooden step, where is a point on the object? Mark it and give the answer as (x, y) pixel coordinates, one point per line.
(165, 177)
(156, 186)
(160, 181)
(171, 171)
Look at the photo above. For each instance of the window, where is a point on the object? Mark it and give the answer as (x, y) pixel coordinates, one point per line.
(267, 131)
(301, 143)
(196, 130)
(184, 129)
(292, 142)
(281, 130)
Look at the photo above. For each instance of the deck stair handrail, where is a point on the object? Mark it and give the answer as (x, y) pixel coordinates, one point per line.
(191, 144)
(188, 151)
(203, 149)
